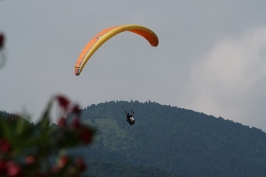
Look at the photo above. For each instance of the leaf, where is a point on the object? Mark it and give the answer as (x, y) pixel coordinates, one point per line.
(7, 129)
(21, 126)
(45, 119)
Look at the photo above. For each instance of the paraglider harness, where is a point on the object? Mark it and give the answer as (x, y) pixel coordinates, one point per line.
(130, 117)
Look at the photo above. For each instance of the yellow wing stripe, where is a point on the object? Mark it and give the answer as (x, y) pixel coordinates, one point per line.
(108, 33)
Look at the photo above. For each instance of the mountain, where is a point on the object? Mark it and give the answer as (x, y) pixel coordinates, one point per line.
(111, 169)
(176, 140)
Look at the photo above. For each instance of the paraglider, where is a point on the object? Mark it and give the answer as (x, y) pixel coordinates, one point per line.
(108, 33)
(99, 39)
(130, 117)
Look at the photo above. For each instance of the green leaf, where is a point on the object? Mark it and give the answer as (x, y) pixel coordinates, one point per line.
(44, 122)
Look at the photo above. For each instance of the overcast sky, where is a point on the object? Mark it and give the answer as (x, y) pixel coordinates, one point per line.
(211, 57)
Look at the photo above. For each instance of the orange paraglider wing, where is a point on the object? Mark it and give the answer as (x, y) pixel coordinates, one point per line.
(108, 33)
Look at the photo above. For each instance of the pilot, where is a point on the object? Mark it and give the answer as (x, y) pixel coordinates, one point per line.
(130, 117)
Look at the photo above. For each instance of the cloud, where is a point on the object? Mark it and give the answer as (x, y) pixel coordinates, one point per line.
(230, 80)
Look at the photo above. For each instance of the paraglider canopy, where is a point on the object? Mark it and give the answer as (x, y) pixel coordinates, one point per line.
(108, 33)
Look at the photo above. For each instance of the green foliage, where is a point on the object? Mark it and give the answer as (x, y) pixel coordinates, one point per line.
(31, 150)
(176, 140)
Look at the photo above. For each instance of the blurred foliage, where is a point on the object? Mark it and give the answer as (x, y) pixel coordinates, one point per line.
(27, 149)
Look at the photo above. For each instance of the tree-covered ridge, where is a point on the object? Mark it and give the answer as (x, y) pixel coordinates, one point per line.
(176, 140)
(111, 169)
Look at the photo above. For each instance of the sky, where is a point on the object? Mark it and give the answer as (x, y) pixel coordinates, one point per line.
(211, 56)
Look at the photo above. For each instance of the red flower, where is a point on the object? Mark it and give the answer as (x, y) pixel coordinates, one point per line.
(76, 109)
(2, 167)
(62, 122)
(83, 131)
(76, 122)
(13, 169)
(4, 146)
(81, 165)
(63, 101)
(85, 134)
(62, 162)
(2, 40)
(30, 159)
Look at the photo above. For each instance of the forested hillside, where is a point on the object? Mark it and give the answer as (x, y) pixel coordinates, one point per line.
(169, 140)
(111, 169)
(176, 140)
